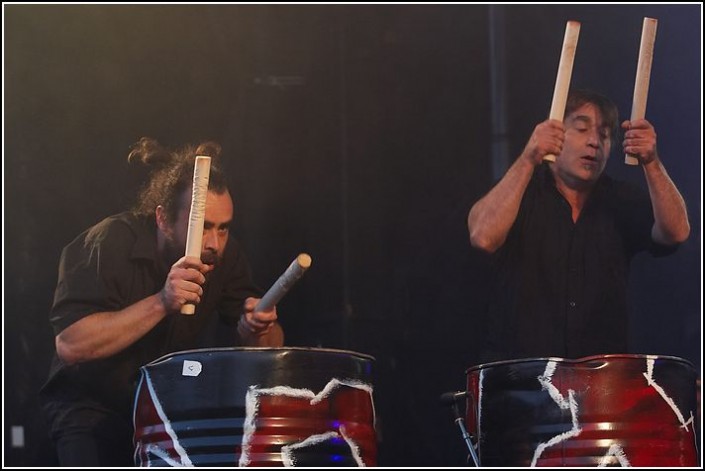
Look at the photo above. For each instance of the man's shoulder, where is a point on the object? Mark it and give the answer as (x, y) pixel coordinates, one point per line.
(616, 189)
(125, 225)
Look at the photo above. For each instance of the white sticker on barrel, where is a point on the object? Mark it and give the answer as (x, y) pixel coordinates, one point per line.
(191, 368)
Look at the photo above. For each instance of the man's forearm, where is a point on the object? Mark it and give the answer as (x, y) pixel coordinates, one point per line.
(103, 334)
(491, 218)
(671, 224)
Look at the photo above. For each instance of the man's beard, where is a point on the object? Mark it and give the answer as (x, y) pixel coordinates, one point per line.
(210, 257)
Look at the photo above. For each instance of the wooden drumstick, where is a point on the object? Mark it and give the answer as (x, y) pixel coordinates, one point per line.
(565, 70)
(285, 281)
(194, 237)
(643, 75)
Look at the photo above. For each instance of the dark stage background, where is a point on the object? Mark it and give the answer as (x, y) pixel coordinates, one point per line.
(360, 134)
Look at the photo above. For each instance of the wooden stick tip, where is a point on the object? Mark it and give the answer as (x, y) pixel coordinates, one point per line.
(630, 160)
(304, 260)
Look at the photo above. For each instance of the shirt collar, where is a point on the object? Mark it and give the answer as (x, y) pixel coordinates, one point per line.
(146, 244)
(547, 180)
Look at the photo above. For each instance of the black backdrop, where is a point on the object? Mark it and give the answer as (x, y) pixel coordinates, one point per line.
(360, 134)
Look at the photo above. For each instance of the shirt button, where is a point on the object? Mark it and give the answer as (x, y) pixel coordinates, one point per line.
(572, 304)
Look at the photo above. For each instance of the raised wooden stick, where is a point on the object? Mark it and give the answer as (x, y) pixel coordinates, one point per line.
(285, 281)
(643, 75)
(194, 237)
(565, 70)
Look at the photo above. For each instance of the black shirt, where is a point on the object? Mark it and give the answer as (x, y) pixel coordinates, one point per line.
(111, 266)
(561, 287)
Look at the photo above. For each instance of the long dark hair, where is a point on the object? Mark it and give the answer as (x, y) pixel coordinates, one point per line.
(171, 173)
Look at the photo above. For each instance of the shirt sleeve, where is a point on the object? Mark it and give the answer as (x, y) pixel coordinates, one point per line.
(91, 271)
(637, 217)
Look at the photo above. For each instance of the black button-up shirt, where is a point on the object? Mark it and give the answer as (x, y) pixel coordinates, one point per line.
(561, 286)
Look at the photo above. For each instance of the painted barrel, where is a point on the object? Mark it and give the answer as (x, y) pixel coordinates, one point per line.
(256, 407)
(609, 410)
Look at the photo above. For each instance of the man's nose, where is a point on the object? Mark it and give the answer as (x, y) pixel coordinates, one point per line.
(210, 239)
(593, 138)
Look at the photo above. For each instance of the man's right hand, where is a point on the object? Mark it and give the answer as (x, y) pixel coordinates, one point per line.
(184, 283)
(546, 139)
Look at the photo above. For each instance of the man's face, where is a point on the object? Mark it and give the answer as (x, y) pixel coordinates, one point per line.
(216, 227)
(586, 147)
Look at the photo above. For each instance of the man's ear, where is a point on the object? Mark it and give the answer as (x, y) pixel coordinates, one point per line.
(161, 219)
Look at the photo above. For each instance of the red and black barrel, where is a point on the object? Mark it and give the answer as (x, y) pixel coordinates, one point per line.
(256, 407)
(609, 410)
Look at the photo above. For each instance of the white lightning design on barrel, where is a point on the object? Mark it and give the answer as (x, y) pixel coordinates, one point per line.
(616, 451)
(154, 449)
(252, 405)
(649, 375)
(546, 383)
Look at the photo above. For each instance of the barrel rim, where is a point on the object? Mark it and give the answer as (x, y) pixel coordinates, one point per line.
(169, 356)
(580, 360)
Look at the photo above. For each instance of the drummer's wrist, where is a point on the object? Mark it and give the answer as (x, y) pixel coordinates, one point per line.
(243, 331)
(273, 337)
